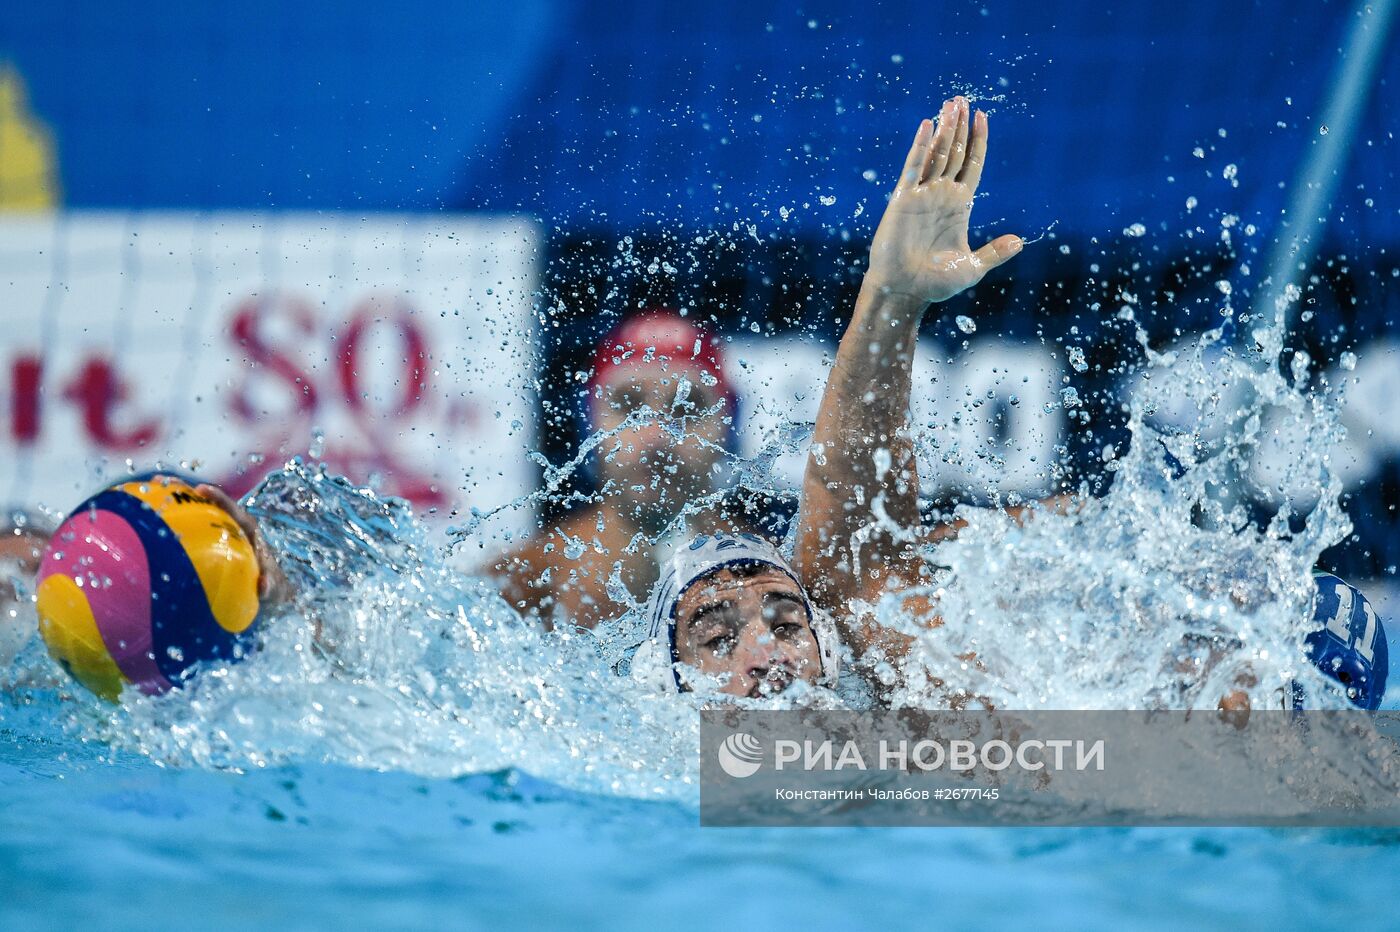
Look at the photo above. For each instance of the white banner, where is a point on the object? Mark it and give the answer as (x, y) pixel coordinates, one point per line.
(990, 420)
(229, 340)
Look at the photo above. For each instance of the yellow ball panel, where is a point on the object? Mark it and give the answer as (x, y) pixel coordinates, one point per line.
(71, 636)
(221, 553)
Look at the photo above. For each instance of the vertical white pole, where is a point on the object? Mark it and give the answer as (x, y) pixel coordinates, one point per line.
(1322, 167)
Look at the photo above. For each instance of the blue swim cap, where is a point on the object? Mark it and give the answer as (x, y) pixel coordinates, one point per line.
(1349, 642)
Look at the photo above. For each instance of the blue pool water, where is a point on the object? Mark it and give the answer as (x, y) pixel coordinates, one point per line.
(92, 836)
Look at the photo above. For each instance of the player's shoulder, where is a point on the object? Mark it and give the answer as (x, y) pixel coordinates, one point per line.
(547, 549)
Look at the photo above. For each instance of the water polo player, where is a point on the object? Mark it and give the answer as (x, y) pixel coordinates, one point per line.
(735, 611)
(729, 612)
(1346, 641)
(729, 616)
(668, 376)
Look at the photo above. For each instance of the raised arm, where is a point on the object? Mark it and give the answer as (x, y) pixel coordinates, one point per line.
(860, 511)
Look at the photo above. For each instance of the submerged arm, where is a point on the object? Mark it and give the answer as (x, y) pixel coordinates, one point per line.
(860, 514)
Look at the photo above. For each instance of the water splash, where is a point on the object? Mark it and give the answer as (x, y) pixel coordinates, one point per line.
(392, 660)
(1167, 591)
(1163, 593)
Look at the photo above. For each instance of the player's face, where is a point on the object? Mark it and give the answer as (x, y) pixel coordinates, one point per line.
(749, 631)
(669, 459)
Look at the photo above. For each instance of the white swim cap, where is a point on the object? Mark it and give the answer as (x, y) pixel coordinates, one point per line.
(655, 660)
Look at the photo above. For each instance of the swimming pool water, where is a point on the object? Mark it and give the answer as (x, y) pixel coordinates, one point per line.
(89, 836)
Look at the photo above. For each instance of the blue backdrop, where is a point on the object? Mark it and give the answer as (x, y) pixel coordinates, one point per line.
(621, 112)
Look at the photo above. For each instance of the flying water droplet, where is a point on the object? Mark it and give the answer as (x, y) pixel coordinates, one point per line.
(1299, 367)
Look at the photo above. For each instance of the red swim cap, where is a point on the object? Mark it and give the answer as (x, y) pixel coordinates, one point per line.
(657, 340)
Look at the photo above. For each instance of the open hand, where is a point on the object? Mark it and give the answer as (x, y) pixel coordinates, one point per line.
(921, 249)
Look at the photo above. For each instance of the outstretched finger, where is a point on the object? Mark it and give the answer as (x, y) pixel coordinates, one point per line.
(955, 157)
(918, 155)
(942, 142)
(999, 250)
(971, 173)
